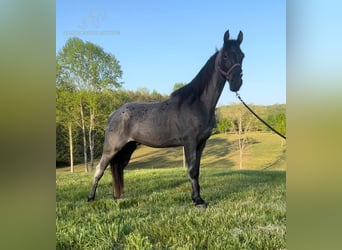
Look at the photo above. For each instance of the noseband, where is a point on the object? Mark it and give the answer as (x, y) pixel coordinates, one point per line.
(229, 71)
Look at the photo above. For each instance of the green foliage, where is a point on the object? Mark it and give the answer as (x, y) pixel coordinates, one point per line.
(83, 70)
(86, 66)
(281, 123)
(107, 101)
(273, 114)
(224, 125)
(178, 85)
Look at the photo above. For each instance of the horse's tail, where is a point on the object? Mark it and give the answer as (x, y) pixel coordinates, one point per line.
(117, 175)
(117, 165)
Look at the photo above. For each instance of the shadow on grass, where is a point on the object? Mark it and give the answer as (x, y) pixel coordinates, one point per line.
(158, 158)
(280, 161)
(216, 153)
(223, 184)
(216, 149)
(173, 188)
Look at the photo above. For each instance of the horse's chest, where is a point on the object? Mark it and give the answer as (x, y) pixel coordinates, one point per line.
(204, 126)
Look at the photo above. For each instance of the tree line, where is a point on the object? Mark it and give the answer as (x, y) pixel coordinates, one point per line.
(230, 117)
(88, 90)
(69, 125)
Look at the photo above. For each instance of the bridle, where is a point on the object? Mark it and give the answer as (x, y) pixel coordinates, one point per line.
(229, 71)
(226, 75)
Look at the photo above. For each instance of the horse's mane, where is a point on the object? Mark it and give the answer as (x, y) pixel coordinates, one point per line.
(195, 88)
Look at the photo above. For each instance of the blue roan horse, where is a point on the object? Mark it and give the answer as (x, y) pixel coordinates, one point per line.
(185, 119)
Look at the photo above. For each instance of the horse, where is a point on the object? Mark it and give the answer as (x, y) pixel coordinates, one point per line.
(185, 119)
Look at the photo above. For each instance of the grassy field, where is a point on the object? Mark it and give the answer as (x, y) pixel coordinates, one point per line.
(247, 207)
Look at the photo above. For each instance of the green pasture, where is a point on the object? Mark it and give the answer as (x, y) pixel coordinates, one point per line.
(247, 207)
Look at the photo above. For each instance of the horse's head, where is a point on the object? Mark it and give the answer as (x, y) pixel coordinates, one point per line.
(230, 61)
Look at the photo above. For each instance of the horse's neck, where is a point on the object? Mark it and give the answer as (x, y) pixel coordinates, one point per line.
(212, 93)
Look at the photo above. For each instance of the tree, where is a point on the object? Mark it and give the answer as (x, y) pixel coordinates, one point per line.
(178, 85)
(242, 122)
(224, 125)
(88, 69)
(243, 134)
(280, 120)
(65, 108)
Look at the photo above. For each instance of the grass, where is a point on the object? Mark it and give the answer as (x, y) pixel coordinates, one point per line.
(247, 208)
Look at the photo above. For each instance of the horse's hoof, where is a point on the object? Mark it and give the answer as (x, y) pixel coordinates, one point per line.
(91, 199)
(202, 205)
(116, 198)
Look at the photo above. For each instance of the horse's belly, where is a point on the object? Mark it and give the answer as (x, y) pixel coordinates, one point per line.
(156, 135)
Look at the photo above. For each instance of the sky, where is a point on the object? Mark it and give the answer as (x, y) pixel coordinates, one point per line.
(160, 43)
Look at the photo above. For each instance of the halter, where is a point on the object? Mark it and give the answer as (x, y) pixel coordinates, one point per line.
(223, 73)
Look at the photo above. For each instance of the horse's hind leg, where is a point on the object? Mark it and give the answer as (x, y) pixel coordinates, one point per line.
(100, 168)
(118, 163)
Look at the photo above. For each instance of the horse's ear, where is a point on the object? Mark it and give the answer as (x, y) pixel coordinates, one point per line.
(240, 37)
(226, 36)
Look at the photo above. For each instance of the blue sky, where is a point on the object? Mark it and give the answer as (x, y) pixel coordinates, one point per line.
(160, 43)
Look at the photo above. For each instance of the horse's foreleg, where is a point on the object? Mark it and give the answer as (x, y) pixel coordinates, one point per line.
(100, 168)
(193, 157)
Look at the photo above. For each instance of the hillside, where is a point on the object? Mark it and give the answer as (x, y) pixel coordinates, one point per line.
(265, 151)
(262, 110)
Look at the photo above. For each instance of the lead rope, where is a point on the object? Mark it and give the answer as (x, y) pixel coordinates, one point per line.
(275, 131)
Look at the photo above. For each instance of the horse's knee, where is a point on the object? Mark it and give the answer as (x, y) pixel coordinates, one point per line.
(193, 172)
